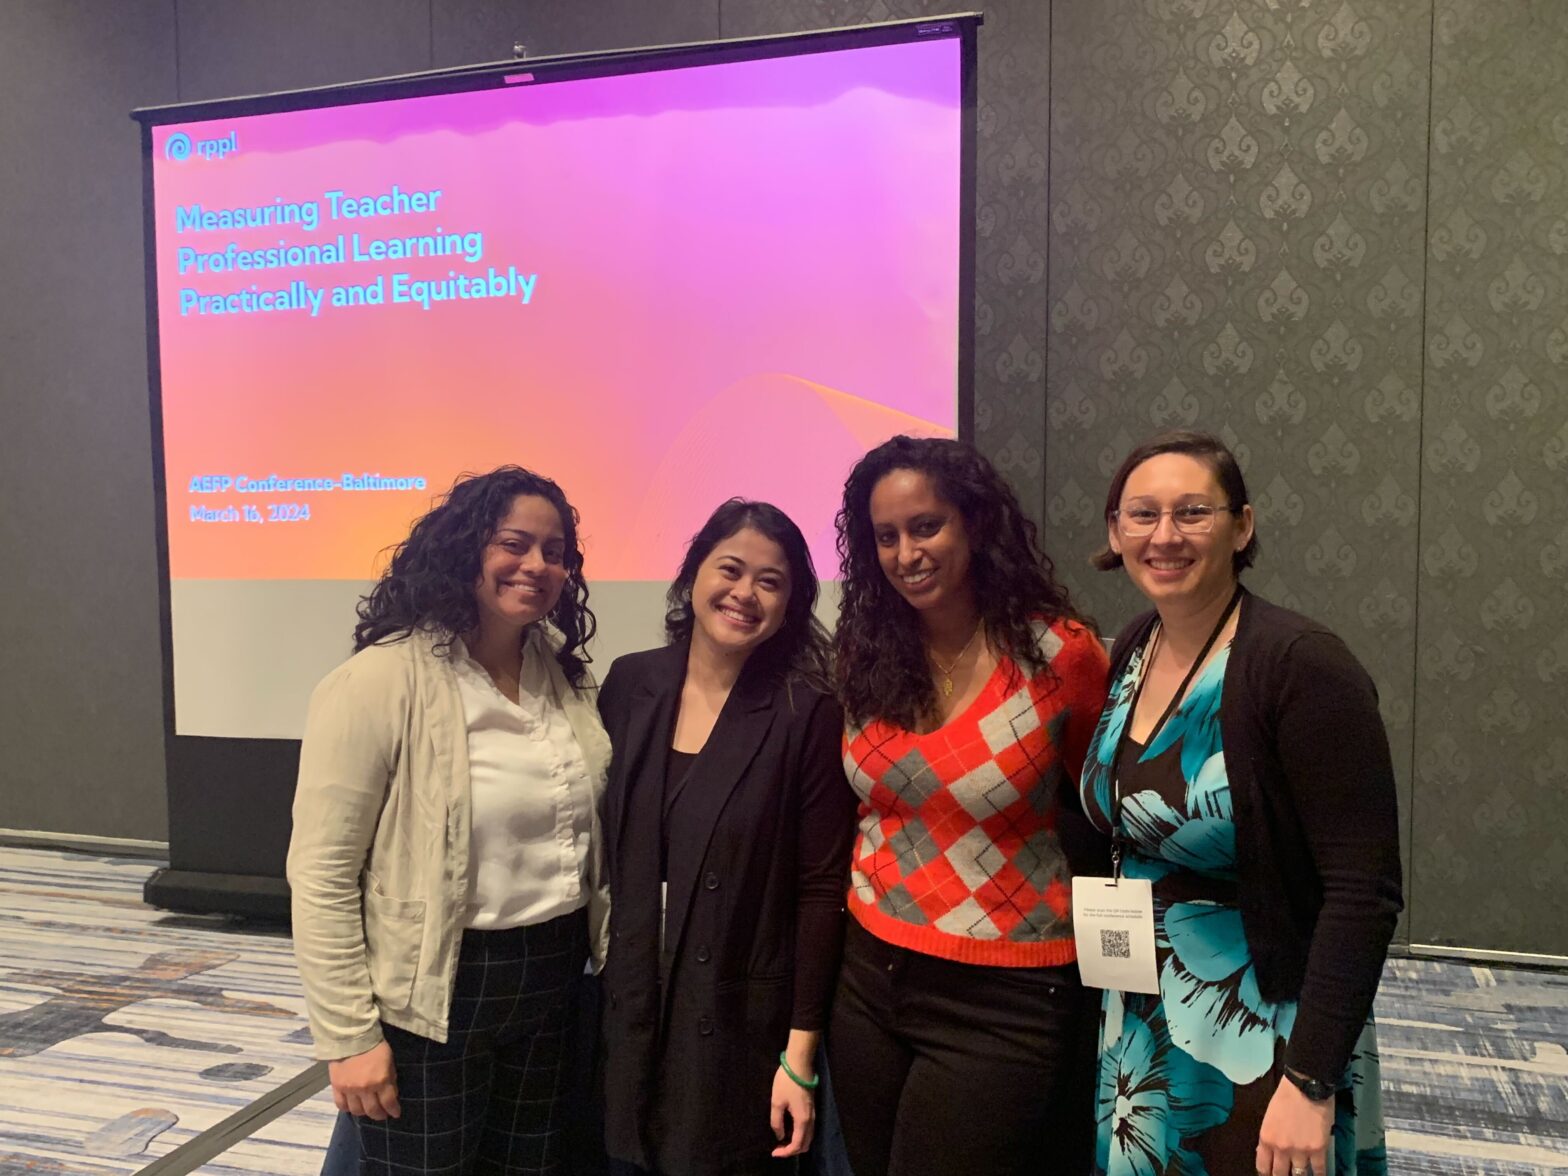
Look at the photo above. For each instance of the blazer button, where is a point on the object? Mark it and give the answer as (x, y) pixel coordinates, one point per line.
(705, 1025)
(711, 881)
(703, 954)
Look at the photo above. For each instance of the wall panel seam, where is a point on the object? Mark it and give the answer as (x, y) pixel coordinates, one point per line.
(1426, 305)
(1045, 347)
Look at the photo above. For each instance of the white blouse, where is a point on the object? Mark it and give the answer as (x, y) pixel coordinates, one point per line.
(531, 798)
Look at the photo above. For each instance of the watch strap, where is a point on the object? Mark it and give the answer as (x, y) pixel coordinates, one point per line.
(1311, 1087)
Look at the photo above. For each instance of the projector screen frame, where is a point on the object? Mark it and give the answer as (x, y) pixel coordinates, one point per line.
(230, 799)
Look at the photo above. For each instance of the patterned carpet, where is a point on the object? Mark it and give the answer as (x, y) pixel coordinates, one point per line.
(1475, 1067)
(124, 1032)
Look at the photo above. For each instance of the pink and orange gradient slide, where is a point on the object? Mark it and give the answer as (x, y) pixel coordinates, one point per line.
(660, 289)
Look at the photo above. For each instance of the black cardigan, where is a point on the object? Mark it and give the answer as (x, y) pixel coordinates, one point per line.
(1317, 829)
(758, 869)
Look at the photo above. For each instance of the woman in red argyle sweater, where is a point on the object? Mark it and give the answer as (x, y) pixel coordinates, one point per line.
(961, 1040)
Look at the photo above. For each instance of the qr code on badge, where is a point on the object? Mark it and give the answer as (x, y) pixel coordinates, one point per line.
(1116, 945)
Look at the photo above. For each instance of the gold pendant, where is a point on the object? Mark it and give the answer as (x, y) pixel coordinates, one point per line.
(947, 687)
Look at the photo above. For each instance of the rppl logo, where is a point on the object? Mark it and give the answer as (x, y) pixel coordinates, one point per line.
(178, 146)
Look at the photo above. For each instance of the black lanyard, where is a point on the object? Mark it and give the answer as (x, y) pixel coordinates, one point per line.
(1170, 708)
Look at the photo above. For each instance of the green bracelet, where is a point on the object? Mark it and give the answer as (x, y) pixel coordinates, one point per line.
(796, 1078)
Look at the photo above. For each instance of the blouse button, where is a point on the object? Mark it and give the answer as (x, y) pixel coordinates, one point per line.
(705, 1025)
(711, 881)
(703, 954)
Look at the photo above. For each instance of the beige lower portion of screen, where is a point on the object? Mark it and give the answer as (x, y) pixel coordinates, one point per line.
(247, 653)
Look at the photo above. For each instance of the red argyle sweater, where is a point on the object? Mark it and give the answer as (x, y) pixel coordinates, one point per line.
(957, 854)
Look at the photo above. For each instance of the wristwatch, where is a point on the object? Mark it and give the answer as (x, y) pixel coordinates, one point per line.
(1311, 1087)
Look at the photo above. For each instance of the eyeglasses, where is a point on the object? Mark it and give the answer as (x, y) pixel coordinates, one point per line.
(1191, 518)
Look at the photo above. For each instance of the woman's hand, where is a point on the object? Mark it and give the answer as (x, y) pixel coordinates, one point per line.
(366, 1084)
(794, 1100)
(1295, 1134)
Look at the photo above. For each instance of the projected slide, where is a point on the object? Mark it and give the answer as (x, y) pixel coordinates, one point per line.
(659, 288)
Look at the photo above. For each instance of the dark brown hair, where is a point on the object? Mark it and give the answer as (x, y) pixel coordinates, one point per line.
(1204, 447)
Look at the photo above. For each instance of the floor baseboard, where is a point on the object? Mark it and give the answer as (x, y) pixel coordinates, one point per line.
(85, 843)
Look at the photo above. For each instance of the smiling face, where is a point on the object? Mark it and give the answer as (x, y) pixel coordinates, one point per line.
(741, 593)
(922, 543)
(1169, 566)
(523, 568)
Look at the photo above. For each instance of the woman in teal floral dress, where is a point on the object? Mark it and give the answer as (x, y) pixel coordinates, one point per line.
(1243, 770)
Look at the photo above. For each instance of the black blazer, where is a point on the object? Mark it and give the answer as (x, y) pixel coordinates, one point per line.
(1317, 826)
(758, 867)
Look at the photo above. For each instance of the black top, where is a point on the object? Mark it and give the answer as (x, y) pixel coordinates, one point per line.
(759, 847)
(676, 773)
(1317, 827)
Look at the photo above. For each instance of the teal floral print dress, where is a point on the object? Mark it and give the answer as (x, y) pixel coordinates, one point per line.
(1186, 1076)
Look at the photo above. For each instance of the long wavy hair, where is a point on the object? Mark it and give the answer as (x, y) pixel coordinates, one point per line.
(799, 651)
(430, 581)
(881, 661)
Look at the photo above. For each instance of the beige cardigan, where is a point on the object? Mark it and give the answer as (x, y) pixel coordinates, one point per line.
(378, 861)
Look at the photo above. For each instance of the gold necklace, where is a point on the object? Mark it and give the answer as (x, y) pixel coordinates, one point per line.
(947, 671)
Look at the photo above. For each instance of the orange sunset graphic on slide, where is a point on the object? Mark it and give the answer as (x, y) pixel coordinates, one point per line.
(813, 436)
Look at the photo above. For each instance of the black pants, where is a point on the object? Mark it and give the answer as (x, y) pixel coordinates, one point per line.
(942, 1068)
(488, 1100)
(767, 1167)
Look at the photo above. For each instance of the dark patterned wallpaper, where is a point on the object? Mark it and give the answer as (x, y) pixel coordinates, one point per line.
(1237, 208)
(1248, 235)
(1491, 818)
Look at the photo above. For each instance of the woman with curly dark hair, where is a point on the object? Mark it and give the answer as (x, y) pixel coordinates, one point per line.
(961, 1038)
(727, 827)
(445, 861)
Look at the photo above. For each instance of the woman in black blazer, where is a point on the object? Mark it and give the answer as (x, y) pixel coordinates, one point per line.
(728, 824)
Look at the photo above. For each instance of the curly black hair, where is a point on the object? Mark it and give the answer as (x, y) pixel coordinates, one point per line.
(430, 581)
(799, 651)
(881, 661)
